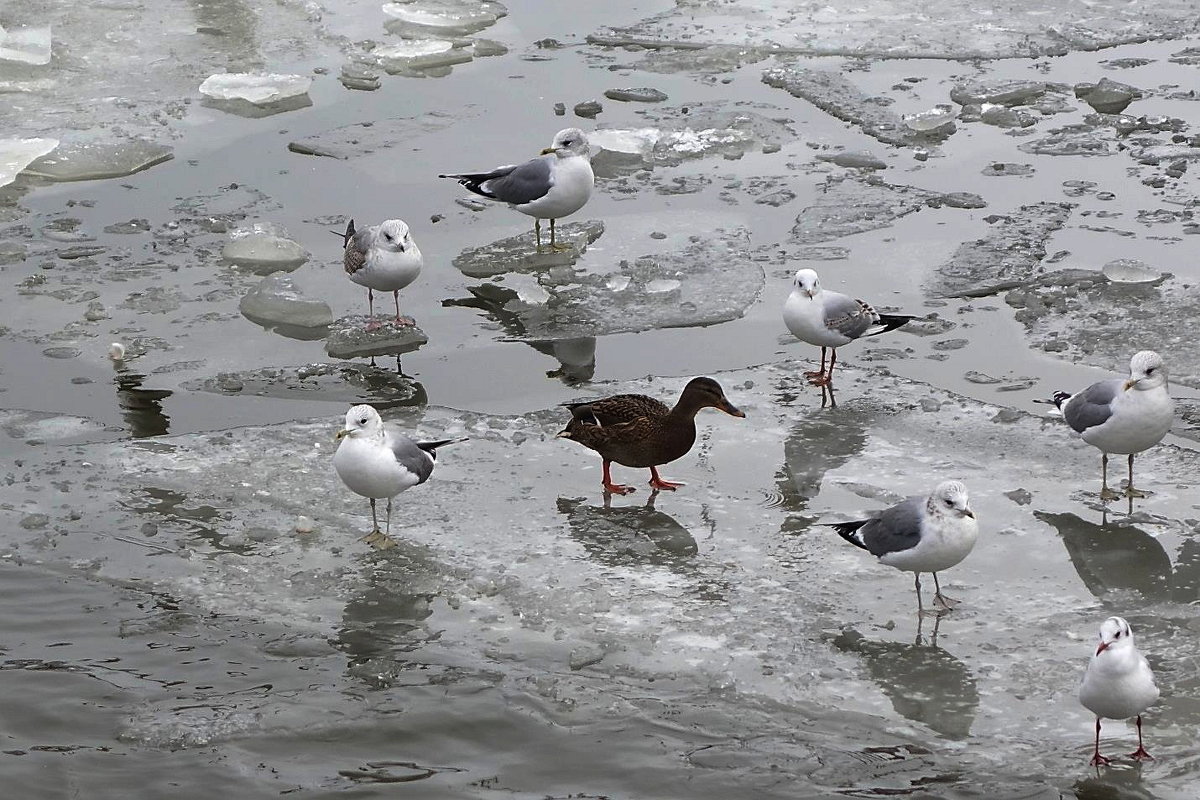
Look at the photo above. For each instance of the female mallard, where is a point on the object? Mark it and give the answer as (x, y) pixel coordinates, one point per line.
(639, 431)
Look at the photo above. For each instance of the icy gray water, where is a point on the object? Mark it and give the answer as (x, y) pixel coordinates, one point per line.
(185, 607)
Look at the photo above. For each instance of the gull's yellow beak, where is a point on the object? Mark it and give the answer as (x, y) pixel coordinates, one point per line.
(1129, 384)
(547, 151)
(341, 434)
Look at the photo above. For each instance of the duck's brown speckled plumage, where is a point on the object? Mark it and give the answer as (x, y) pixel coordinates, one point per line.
(638, 431)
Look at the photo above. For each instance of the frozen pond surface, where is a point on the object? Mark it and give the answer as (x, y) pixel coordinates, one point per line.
(184, 605)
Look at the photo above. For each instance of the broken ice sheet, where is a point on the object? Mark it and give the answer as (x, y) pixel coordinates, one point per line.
(25, 45)
(98, 159)
(703, 280)
(365, 138)
(277, 303)
(420, 56)
(257, 88)
(263, 248)
(17, 154)
(519, 253)
(345, 383)
(350, 338)
(850, 204)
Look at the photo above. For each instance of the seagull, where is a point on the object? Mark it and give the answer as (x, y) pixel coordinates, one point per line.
(831, 319)
(1118, 684)
(921, 534)
(1122, 416)
(383, 258)
(375, 461)
(554, 185)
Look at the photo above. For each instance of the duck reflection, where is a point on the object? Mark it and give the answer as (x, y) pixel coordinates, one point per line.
(628, 534)
(924, 682)
(1111, 558)
(1113, 784)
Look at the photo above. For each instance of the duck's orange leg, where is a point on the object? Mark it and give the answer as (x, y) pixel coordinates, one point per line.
(657, 482)
(615, 488)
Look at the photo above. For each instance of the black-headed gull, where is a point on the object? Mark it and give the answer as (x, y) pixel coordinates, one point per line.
(1118, 683)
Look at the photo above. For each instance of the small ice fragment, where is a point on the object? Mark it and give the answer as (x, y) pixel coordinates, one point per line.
(662, 285)
(446, 17)
(17, 154)
(256, 88)
(25, 45)
(1130, 270)
(277, 300)
(304, 525)
(95, 160)
(617, 283)
(356, 76)
(420, 54)
(263, 249)
(937, 117)
(533, 295)
(639, 95)
(116, 351)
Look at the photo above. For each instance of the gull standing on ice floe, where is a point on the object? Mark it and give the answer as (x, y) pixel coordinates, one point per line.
(1118, 683)
(1122, 416)
(554, 185)
(921, 534)
(383, 258)
(831, 319)
(375, 460)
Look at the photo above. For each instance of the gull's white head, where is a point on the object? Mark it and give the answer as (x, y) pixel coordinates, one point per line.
(1115, 635)
(361, 420)
(1146, 371)
(568, 142)
(394, 236)
(806, 282)
(950, 498)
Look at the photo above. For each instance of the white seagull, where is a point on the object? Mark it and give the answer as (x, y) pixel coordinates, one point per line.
(383, 258)
(554, 185)
(376, 461)
(1118, 683)
(831, 319)
(921, 534)
(1122, 416)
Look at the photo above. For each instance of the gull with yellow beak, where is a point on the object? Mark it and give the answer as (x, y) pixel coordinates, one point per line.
(554, 185)
(376, 461)
(1122, 416)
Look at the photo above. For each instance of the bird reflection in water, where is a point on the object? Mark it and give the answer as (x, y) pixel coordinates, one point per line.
(140, 408)
(627, 534)
(924, 683)
(1114, 558)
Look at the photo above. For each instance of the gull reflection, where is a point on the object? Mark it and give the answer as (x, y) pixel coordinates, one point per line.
(1112, 558)
(924, 682)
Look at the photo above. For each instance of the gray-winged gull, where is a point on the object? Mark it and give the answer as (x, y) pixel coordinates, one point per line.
(921, 534)
(376, 460)
(831, 319)
(383, 258)
(554, 185)
(1118, 683)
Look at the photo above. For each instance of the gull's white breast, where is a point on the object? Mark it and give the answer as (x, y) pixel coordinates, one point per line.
(573, 181)
(805, 318)
(1139, 421)
(389, 271)
(368, 467)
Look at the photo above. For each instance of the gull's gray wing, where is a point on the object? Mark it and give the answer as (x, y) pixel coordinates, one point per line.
(1092, 406)
(897, 528)
(357, 245)
(524, 183)
(849, 317)
(410, 456)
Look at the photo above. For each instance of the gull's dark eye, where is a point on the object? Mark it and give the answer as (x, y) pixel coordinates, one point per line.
(950, 503)
(1118, 636)
(1149, 370)
(362, 421)
(387, 236)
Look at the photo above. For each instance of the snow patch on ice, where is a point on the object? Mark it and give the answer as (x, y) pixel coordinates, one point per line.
(17, 154)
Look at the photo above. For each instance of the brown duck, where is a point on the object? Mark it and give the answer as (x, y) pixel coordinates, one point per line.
(639, 431)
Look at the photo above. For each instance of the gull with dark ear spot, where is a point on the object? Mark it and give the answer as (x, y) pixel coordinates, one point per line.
(1118, 684)
(922, 534)
(383, 258)
(376, 460)
(831, 319)
(1121, 416)
(554, 185)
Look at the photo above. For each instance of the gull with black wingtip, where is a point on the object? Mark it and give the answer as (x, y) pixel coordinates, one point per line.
(383, 258)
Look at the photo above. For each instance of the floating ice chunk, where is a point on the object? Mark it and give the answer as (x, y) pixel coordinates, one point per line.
(663, 286)
(263, 249)
(1130, 270)
(87, 161)
(617, 283)
(277, 300)
(257, 88)
(1107, 96)
(533, 295)
(116, 352)
(25, 45)
(445, 16)
(350, 338)
(17, 154)
(421, 54)
(934, 119)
